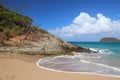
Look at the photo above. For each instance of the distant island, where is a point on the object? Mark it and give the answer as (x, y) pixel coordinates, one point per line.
(109, 39)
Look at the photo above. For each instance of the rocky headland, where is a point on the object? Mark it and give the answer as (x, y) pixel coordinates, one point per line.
(17, 34)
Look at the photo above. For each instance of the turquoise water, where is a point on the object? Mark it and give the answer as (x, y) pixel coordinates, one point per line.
(112, 46)
(109, 51)
(105, 62)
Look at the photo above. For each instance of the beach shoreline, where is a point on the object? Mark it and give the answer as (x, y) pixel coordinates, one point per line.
(87, 73)
(23, 67)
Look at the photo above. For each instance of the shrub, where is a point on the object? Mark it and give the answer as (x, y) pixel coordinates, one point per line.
(33, 28)
(1, 28)
(4, 22)
(17, 30)
(42, 31)
(6, 31)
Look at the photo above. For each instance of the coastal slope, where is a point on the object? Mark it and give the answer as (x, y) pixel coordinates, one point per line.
(16, 30)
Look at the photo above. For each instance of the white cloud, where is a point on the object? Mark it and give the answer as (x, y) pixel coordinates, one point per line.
(85, 24)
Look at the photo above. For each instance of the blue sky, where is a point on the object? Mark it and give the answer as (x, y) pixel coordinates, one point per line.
(75, 20)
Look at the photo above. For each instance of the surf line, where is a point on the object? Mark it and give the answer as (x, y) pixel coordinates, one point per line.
(91, 73)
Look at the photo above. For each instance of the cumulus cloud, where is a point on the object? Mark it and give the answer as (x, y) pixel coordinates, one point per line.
(86, 24)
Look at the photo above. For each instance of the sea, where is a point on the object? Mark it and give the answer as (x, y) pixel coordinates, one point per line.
(106, 62)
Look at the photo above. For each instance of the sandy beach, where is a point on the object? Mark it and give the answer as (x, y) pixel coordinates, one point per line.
(23, 67)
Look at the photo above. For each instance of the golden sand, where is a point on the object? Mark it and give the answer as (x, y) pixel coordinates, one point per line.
(22, 67)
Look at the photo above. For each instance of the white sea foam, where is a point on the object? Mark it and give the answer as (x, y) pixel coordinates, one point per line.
(39, 61)
(102, 51)
(93, 49)
(105, 52)
(86, 55)
(82, 58)
(103, 65)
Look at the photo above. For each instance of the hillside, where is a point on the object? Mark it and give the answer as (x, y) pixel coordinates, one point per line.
(109, 39)
(12, 24)
(17, 31)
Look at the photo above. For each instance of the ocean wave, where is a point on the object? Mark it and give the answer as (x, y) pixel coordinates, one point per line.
(103, 65)
(103, 51)
(101, 69)
(93, 49)
(84, 63)
(57, 59)
(86, 55)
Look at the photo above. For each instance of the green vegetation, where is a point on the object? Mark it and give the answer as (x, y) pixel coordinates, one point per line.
(14, 24)
(109, 39)
(14, 21)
